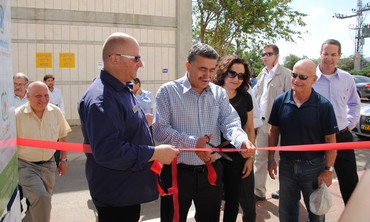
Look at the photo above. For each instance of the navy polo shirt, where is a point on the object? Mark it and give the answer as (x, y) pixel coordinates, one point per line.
(307, 124)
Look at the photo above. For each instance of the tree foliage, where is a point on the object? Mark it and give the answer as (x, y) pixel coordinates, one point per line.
(346, 63)
(290, 60)
(244, 25)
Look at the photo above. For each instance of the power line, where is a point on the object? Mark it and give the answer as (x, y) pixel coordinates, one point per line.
(362, 31)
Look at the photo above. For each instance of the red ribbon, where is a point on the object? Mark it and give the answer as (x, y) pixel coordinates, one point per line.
(157, 166)
(85, 148)
(212, 175)
(175, 192)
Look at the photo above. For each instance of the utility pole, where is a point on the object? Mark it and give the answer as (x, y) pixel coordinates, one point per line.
(362, 31)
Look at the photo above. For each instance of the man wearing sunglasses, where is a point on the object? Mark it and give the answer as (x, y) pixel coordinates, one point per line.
(301, 116)
(118, 169)
(273, 80)
(339, 88)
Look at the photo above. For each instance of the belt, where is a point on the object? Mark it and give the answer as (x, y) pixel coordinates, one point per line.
(195, 169)
(40, 162)
(44, 161)
(343, 130)
(302, 160)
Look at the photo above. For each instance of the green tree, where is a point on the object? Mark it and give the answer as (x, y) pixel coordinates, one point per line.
(346, 63)
(253, 57)
(290, 60)
(244, 25)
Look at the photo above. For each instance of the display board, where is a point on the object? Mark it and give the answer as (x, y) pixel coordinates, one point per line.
(9, 199)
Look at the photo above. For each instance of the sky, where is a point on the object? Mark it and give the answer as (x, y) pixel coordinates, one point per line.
(321, 26)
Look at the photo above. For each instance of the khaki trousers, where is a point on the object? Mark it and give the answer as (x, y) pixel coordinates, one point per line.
(37, 181)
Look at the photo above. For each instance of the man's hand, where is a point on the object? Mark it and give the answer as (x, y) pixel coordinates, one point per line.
(149, 118)
(272, 168)
(248, 167)
(326, 177)
(205, 156)
(247, 149)
(165, 153)
(62, 168)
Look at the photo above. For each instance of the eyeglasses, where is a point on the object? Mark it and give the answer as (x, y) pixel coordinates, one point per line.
(233, 74)
(19, 84)
(300, 76)
(268, 54)
(136, 58)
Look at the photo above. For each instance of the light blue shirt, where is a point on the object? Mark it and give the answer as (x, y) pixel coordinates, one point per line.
(145, 101)
(340, 90)
(182, 116)
(18, 101)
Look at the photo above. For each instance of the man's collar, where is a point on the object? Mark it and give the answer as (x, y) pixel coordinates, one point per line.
(186, 83)
(319, 73)
(28, 108)
(113, 81)
(275, 67)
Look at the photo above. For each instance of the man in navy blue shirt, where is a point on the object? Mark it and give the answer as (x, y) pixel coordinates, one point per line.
(301, 116)
(118, 170)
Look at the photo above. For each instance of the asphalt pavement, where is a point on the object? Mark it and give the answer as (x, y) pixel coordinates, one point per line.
(72, 202)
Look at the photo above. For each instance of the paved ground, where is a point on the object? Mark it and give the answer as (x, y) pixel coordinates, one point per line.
(71, 200)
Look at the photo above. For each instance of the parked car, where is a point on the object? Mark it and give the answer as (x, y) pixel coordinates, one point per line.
(362, 85)
(362, 129)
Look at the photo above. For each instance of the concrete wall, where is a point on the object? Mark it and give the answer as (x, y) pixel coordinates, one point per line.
(162, 28)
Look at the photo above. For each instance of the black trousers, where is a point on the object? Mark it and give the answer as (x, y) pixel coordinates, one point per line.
(119, 214)
(193, 185)
(237, 190)
(247, 200)
(346, 167)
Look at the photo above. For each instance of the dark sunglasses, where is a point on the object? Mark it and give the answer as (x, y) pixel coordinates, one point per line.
(268, 54)
(300, 76)
(232, 75)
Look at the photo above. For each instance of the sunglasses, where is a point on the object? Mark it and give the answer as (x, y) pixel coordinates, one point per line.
(300, 76)
(136, 58)
(232, 74)
(268, 54)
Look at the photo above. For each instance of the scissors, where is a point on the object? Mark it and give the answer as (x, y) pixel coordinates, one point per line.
(224, 155)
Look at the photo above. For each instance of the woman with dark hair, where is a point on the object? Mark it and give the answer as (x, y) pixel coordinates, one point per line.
(232, 73)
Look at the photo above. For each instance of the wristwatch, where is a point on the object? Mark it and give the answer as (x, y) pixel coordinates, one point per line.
(329, 168)
(64, 159)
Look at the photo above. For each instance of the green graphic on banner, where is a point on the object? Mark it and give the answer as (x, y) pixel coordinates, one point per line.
(8, 182)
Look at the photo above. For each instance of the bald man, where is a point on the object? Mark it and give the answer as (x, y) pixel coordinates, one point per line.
(301, 116)
(38, 119)
(118, 170)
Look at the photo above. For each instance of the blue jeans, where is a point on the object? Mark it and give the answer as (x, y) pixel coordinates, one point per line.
(294, 177)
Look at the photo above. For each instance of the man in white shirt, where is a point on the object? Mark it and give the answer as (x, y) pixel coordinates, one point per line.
(273, 80)
(20, 82)
(339, 88)
(55, 93)
(55, 98)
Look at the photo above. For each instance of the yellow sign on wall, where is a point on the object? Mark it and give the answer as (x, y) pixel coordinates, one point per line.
(66, 60)
(44, 60)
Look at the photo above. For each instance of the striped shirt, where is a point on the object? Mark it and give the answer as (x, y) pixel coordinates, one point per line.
(183, 115)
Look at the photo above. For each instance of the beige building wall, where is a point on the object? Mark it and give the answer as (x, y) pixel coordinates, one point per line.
(162, 28)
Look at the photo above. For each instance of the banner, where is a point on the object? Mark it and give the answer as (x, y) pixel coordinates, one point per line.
(8, 158)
